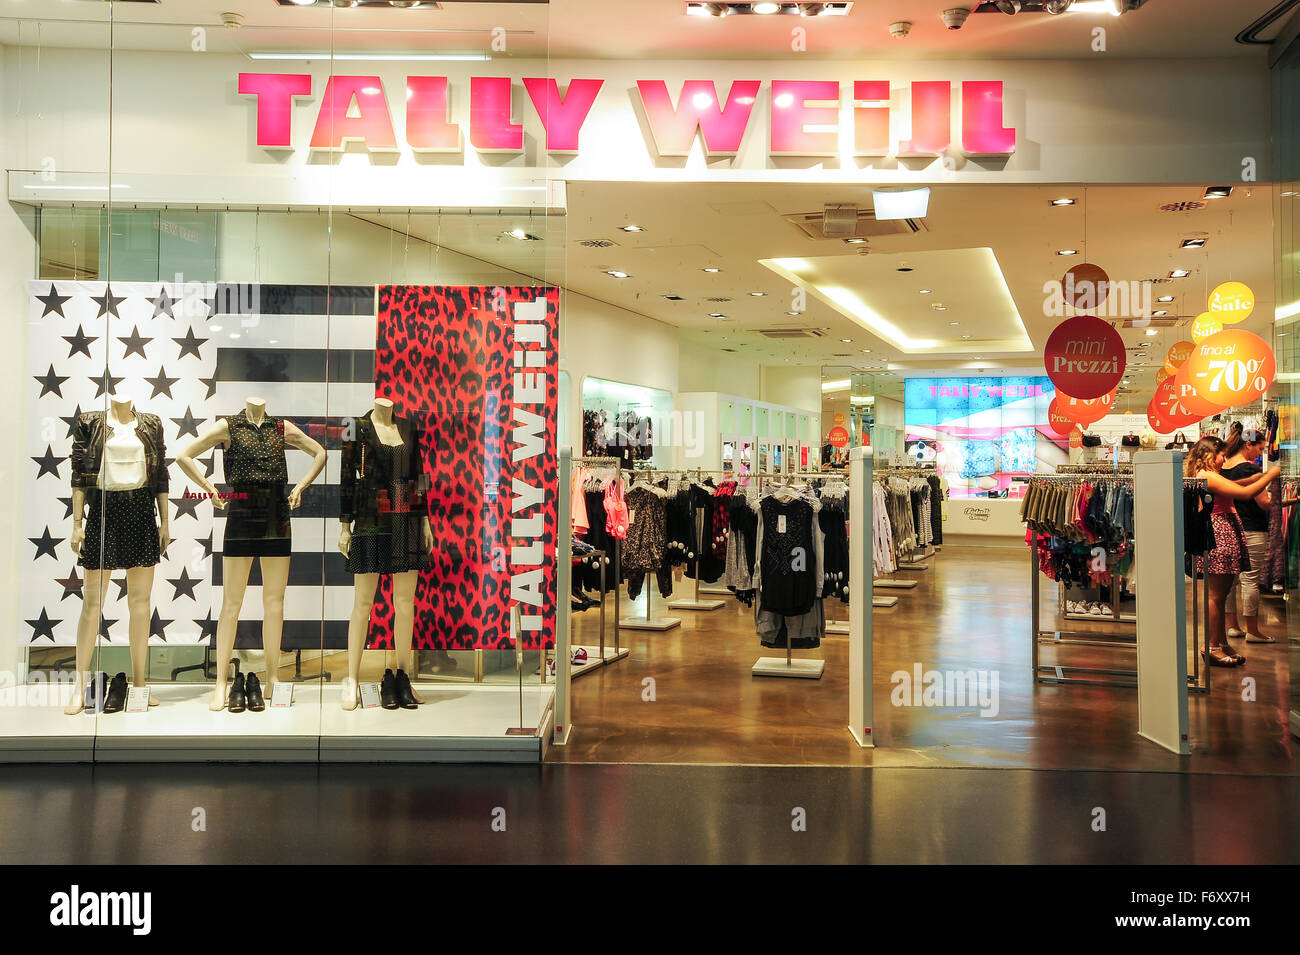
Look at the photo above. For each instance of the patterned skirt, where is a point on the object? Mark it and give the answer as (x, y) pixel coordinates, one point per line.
(1229, 555)
(129, 536)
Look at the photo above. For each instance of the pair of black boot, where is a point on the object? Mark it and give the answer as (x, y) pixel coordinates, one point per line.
(105, 697)
(395, 691)
(246, 694)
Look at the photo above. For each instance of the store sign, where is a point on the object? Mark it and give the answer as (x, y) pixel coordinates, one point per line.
(1231, 302)
(1085, 357)
(1085, 287)
(1205, 325)
(1176, 355)
(838, 437)
(803, 115)
(1084, 411)
(1233, 367)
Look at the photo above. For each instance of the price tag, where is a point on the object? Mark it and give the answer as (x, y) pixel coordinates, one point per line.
(780, 523)
(282, 695)
(369, 695)
(137, 699)
(631, 517)
(1125, 456)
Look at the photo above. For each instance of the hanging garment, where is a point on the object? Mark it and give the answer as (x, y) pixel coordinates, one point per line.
(788, 561)
(936, 508)
(1273, 578)
(597, 536)
(680, 525)
(882, 535)
(833, 519)
(578, 500)
(616, 519)
(739, 575)
(643, 549)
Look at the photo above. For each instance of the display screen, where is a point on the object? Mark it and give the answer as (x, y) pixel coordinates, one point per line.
(984, 435)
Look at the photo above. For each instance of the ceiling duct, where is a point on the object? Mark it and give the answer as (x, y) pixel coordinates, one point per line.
(848, 221)
(784, 334)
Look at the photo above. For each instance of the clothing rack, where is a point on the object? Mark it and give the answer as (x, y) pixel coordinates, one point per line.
(650, 622)
(919, 558)
(619, 652)
(695, 602)
(1055, 674)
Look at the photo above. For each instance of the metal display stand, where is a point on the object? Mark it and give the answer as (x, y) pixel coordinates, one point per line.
(618, 652)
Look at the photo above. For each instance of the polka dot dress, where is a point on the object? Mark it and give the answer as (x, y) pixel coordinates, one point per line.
(129, 530)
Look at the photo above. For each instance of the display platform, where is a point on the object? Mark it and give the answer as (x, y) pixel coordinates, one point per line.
(594, 660)
(799, 668)
(457, 723)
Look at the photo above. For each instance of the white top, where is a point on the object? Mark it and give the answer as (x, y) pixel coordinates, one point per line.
(123, 467)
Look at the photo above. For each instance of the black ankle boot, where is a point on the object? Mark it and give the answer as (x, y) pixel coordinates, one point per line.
(116, 699)
(388, 691)
(253, 693)
(404, 695)
(238, 700)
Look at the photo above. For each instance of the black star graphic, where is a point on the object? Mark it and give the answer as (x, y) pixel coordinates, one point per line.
(49, 463)
(187, 505)
(184, 584)
(189, 343)
(107, 382)
(212, 386)
(50, 382)
(66, 502)
(209, 464)
(108, 302)
(45, 544)
(121, 587)
(71, 420)
(207, 545)
(134, 342)
(207, 626)
(72, 584)
(79, 343)
(162, 305)
(158, 626)
(188, 424)
(53, 302)
(43, 626)
(162, 385)
(104, 624)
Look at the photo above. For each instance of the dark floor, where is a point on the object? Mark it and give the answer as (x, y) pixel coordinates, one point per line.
(644, 814)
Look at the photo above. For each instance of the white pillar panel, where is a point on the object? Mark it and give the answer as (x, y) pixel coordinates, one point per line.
(861, 522)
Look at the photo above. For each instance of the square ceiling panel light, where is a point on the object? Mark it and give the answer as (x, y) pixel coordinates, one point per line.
(866, 289)
(903, 202)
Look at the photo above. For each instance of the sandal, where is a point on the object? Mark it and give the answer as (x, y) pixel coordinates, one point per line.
(1218, 657)
(1260, 638)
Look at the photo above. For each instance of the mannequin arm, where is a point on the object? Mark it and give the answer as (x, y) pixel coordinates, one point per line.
(78, 515)
(217, 433)
(164, 536)
(294, 437)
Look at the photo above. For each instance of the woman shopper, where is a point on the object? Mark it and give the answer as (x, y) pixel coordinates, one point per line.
(1229, 556)
(1240, 453)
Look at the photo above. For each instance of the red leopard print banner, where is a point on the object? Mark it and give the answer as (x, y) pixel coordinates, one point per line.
(447, 356)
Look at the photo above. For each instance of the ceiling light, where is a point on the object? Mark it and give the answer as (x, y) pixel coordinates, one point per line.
(617, 274)
(706, 9)
(521, 235)
(672, 297)
(1063, 202)
(1152, 331)
(1144, 345)
(847, 341)
(766, 6)
(716, 315)
(631, 228)
(954, 323)
(1067, 251)
(758, 294)
(1179, 274)
(1056, 7)
(856, 240)
(1157, 314)
(925, 291)
(1165, 298)
(939, 307)
(901, 202)
(792, 313)
(1009, 7)
(711, 270)
(867, 351)
(838, 385)
(1217, 192)
(1193, 243)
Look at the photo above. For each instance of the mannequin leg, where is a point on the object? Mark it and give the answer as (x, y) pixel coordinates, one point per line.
(139, 587)
(234, 577)
(404, 621)
(363, 595)
(275, 576)
(92, 600)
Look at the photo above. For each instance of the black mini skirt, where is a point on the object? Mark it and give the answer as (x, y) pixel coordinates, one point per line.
(257, 522)
(121, 530)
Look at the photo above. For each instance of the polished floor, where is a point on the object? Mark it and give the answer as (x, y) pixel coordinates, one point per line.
(385, 814)
(970, 610)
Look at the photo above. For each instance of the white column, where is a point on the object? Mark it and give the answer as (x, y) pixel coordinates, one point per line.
(860, 576)
(1161, 614)
(563, 592)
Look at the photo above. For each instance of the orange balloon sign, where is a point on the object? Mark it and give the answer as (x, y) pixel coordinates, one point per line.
(1162, 374)
(839, 419)
(1085, 286)
(838, 437)
(1167, 412)
(1083, 411)
(1076, 438)
(1057, 420)
(1231, 368)
(1205, 326)
(1178, 353)
(1231, 302)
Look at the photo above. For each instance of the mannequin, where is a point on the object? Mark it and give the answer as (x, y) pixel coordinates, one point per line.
(381, 427)
(257, 526)
(120, 420)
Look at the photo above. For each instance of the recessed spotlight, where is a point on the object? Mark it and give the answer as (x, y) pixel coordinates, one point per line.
(939, 307)
(617, 274)
(521, 235)
(1063, 202)
(1152, 331)
(1165, 298)
(1179, 274)
(711, 270)
(1144, 345)
(1157, 313)
(766, 7)
(964, 337)
(855, 240)
(904, 268)
(954, 323)
(792, 313)
(630, 228)
(673, 298)
(847, 341)
(716, 315)
(1217, 192)
(925, 291)
(758, 294)
(867, 351)
(1193, 243)
(1067, 251)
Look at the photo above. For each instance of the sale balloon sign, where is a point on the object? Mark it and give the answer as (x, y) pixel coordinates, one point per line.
(1057, 419)
(1231, 302)
(1162, 374)
(1085, 357)
(1233, 367)
(1085, 286)
(1205, 325)
(1084, 411)
(1076, 438)
(1167, 412)
(838, 437)
(1178, 353)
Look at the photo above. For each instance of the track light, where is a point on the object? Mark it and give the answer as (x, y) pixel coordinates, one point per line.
(1057, 7)
(1009, 7)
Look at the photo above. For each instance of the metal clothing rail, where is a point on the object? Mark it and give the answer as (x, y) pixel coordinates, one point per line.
(1056, 674)
(619, 653)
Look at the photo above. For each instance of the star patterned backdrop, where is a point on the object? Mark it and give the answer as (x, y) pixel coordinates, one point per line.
(187, 353)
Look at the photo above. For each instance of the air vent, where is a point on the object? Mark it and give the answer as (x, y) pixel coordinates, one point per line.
(784, 334)
(1162, 321)
(597, 244)
(673, 298)
(718, 298)
(1191, 205)
(811, 224)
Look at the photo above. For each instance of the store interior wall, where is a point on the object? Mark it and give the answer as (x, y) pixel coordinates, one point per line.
(798, 386)
(706, 369)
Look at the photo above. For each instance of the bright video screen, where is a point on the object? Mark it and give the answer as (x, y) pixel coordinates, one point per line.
(984, 435)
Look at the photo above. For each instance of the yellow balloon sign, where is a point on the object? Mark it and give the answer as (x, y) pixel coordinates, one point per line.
(1178, 353)
(1206, 324)
(1231, 302)
(1161, 375)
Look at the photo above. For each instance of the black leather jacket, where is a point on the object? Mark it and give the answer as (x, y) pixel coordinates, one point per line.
(88, 449)
(369, 472)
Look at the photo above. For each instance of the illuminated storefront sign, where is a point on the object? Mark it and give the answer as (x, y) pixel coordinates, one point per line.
(803, 120)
